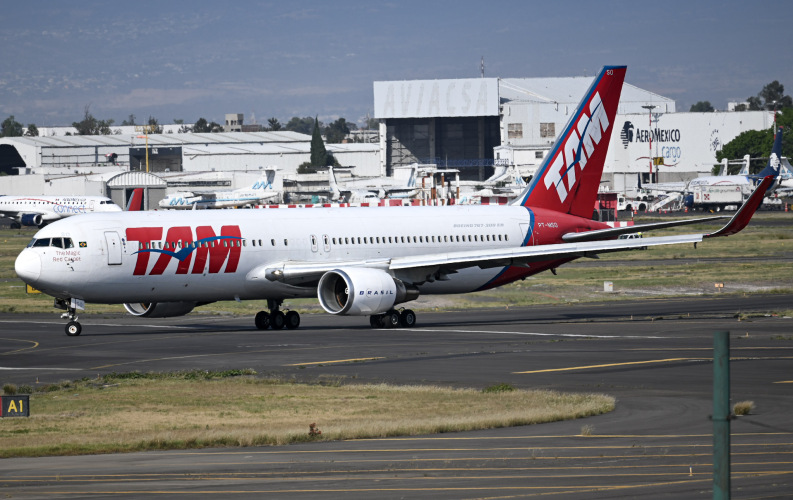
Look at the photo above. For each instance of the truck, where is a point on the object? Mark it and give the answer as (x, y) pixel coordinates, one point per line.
(717, 197)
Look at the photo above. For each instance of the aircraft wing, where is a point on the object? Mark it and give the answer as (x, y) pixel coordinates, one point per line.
(422, 268)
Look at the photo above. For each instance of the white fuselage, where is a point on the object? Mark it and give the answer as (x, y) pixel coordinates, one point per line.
(134, 256)
(52, 208)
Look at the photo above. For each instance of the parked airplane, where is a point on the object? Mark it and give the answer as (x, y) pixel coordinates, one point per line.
(356, 261)
(260, 191)
(743, 178)
(41, 210)
(369, 190)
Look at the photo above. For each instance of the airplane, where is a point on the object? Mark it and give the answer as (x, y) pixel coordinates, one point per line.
(42, 210)
(260, 191)
(361, 191)
(357, 261)
(743, 178)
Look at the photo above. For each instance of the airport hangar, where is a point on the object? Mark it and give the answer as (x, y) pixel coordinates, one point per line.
(114, 165)
(472, 124)
(467, 124)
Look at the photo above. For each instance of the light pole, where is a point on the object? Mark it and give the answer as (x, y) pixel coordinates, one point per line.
(650, 108)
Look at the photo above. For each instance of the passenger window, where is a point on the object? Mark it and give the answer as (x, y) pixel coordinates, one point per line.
(272, 242)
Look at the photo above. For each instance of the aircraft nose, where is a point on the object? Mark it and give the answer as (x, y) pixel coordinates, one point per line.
(28, 266)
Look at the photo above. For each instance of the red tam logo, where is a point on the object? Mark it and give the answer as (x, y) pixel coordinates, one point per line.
(180, 244)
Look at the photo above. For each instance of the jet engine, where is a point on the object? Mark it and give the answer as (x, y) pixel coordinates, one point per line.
(160, 310)
(31, 219)
(361, 291)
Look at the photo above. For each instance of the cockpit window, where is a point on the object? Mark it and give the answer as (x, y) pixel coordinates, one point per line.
(51, 242)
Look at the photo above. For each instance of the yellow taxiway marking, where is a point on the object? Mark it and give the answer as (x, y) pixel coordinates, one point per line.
(784, 382)
(35, 345)
(647, 362)
(608, 365)
(334, 361)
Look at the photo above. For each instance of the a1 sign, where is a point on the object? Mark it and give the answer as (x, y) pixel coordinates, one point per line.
(15, 406)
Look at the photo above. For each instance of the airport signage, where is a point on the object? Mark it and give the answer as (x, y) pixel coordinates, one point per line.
(15, 406)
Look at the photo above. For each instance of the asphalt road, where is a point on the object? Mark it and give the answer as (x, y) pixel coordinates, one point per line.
(654, 356)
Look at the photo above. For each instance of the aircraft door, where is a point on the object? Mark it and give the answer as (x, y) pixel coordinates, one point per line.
(113, 248)
(91, 205)
(314, 244)
(326, 242)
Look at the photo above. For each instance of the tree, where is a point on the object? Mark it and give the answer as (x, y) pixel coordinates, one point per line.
(273, 124)
(91, 126)
(155, 127)
(301, 125)
(11, 128)
(755, 104)
(129, 121)
(319, 155)
(774, 92)
(337, 131)
(33, 130)
(772, 95)
(702, 107)
(201, 126)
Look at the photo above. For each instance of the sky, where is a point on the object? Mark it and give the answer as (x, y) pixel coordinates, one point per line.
(184, 60)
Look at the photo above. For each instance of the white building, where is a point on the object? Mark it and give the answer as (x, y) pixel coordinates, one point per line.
(470, 124)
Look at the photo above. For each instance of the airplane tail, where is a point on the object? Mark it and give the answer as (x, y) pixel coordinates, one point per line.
(569, 177)
(135, 203)
(334, 188)
(774, 162)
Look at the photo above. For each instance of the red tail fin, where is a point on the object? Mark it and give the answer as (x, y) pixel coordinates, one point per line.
(569, 178)
(135, 203)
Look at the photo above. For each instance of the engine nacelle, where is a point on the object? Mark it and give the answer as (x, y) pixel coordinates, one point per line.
(31, 219)
(361, 291)
(159, 310)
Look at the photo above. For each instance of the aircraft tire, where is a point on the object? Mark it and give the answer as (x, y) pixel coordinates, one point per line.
(292, 320)
(262, 320)
(73, 328)
(376, 321)
(407, 318)
(391, 319)
(277, 320)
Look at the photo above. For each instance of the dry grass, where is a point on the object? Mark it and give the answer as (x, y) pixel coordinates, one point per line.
(132, 415)
(743, 408)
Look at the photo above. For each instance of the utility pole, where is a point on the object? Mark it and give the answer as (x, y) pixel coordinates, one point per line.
(650, 108)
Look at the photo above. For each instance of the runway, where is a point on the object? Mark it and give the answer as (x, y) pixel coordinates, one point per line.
(654, 356)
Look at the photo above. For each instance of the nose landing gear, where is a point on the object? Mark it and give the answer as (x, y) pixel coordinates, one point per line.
(73, 327)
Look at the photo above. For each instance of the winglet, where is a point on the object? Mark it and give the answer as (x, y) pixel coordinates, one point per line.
(744, 215)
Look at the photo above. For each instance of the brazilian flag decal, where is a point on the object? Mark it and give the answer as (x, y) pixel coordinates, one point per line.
(83, 244)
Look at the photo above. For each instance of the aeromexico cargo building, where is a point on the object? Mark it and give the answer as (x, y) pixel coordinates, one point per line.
(473, 124)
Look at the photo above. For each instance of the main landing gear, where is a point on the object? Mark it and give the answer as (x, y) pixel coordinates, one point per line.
(393, 319)
(276, 319)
